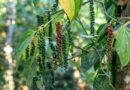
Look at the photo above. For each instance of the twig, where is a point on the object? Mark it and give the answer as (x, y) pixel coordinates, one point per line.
(80, 48)
(124, 18)
(74, 56)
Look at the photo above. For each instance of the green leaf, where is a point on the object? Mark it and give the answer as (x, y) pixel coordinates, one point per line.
(102, 82)
(76, 64)
(122, 44)
(78, 6)
(30, 71)
(25, 41)
(71, 7)
(111, 11)
(90, 76)
(88, 59)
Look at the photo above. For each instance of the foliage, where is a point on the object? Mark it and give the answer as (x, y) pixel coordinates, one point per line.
(71, 7)
(102, 82)
(57, 57)
(67, 44)
(25, 41)
(122, 44)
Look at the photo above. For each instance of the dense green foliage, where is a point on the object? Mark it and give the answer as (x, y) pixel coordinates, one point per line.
(63, 45)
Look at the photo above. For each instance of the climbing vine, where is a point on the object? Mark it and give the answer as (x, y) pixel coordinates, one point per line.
(60, 60)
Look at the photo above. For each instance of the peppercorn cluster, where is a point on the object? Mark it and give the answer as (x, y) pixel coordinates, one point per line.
(59, 38)
(64, 50)
(109, 48)
(92, 16)
(50, 31)
(110, 36)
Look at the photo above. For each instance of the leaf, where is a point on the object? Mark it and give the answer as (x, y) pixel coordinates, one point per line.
(77, 6)
(90, 76)
(88, 59)
(25, 41)
(102, 82)
(30, 71)
(122, 44)
(40, 85)
(71, 7)
(102, 33)
(111, 11)
(119, 25)
(76, 64)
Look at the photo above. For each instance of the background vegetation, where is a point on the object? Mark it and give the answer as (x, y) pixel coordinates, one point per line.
(58, 45)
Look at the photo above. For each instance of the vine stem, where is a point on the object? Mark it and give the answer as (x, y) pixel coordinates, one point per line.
(122, 18)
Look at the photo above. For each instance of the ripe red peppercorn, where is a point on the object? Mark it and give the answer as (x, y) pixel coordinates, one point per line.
(110, 42)
(59, 38)
(110, 32)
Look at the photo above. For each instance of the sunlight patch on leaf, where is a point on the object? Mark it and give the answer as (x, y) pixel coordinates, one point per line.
(71, 7)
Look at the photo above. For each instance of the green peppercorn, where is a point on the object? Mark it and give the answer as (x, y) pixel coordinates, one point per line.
(92, 17)
(64, 51)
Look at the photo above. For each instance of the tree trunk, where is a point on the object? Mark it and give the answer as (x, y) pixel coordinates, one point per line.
(122, 80)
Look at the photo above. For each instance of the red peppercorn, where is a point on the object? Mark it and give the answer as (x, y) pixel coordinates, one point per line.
(59, 38)
(110, 41)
